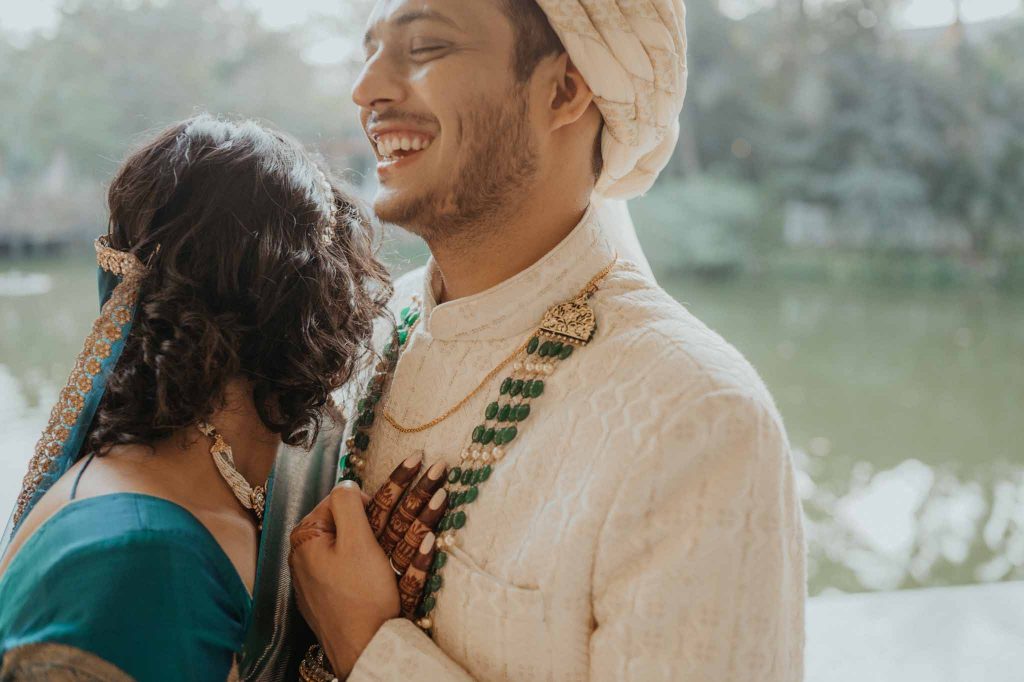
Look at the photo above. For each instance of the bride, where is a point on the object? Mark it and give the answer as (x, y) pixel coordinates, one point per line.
(239, 289)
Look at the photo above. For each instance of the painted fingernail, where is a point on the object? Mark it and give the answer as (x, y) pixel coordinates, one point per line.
(437, 471)
(428, 543)
(413, 461)
(438, 499)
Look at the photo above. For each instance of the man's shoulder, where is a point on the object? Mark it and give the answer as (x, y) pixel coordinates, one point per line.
(646, 335)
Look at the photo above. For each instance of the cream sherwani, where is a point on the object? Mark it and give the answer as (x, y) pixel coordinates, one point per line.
(643, 526)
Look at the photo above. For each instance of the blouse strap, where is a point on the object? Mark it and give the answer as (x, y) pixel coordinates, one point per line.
(78, 476)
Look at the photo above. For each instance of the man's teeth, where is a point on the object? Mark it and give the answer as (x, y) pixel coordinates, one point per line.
(387, 145)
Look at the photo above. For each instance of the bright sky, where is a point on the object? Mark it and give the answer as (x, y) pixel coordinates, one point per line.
(22, 17)
(941, 12)
(913, 13)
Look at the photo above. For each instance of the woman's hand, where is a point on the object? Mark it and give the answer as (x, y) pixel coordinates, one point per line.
(347, 585)
(401, 524)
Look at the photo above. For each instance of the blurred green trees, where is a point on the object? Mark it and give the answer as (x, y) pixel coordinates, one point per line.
(808, 128)
(115, 70)
(857, 135)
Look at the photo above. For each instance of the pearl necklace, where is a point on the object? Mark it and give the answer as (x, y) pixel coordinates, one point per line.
(254, 499)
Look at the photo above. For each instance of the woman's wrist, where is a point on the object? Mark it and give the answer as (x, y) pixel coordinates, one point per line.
(342, 653)
(340, 659)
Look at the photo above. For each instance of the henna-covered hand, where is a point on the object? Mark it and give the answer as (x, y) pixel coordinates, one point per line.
(405, 517)
(410, 587)
(328, 548)
(426, 522)
(309, 530)
(378, 511)
(344, 586)
(411, 506)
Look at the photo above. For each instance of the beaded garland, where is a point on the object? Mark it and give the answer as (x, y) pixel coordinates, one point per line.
(553, 342)
(350, 467)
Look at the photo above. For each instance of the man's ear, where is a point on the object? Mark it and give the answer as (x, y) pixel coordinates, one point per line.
(570, 95)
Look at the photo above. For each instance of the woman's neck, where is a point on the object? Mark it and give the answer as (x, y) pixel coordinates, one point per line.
(253, 445)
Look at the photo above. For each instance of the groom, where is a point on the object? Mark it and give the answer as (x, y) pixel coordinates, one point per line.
(621, 494)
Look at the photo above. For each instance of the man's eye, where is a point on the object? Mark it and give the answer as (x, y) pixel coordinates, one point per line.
(423, 48)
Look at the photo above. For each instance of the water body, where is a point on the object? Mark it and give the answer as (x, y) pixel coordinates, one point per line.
(905, 409)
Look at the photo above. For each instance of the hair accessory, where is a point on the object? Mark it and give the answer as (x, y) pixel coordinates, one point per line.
(332, 210)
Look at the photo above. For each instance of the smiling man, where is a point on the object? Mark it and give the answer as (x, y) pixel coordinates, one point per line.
(621, 501)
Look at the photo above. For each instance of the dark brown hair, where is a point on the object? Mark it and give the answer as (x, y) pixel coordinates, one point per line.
(261, 267)
(535, 39)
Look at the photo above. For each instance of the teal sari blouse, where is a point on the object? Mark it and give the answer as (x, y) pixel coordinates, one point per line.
(134, 580)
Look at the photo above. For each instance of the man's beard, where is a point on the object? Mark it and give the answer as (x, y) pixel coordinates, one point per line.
(500, 163)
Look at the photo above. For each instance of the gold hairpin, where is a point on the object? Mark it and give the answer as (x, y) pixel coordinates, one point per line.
(332, 220)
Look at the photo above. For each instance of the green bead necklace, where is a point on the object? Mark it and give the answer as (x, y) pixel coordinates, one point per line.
(564, 328)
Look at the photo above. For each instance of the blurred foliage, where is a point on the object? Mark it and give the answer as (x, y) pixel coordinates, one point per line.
(903, 141)
(116, 71)
(702, 225)
(894, 133)
(113, 71)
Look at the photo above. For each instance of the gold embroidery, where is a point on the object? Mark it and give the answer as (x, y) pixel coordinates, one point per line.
(58, 663)
(122, 316)
(82, 382)
(106, 330)
(101, 349)
(110, 330)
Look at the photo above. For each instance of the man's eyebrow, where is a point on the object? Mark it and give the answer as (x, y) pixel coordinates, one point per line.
(406, 18)
(411, 17)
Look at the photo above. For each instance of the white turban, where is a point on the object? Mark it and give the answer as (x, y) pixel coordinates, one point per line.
(632, 54)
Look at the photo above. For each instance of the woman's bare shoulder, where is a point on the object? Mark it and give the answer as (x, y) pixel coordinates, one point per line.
(141, 470)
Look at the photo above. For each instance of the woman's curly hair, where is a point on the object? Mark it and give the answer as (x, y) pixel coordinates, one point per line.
(260, 267)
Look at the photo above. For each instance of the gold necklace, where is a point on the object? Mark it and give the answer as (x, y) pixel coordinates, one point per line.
(254, 499)
(584, 293)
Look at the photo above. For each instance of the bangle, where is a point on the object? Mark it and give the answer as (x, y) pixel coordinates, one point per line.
(315, 668)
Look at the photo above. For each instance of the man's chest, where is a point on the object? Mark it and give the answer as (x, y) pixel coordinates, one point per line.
(521, 556)
(521, 488)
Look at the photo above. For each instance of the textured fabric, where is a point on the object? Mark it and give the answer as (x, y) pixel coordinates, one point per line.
(57, 663)
(135, 580)
(632, 54)
(278, 636)
(643, 526)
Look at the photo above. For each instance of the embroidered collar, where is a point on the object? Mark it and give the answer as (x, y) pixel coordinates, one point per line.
(513, 307)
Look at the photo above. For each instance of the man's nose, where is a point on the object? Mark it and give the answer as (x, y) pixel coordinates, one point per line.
(378, 84)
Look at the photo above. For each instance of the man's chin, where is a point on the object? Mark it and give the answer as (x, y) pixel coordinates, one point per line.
(392, 207)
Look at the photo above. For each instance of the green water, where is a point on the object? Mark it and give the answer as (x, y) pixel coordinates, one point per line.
(904, 409)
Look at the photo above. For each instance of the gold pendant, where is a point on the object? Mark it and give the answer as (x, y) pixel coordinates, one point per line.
(258, 500)
(571, 322)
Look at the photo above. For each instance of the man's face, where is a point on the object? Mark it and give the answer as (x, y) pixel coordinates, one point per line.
(447, 119)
